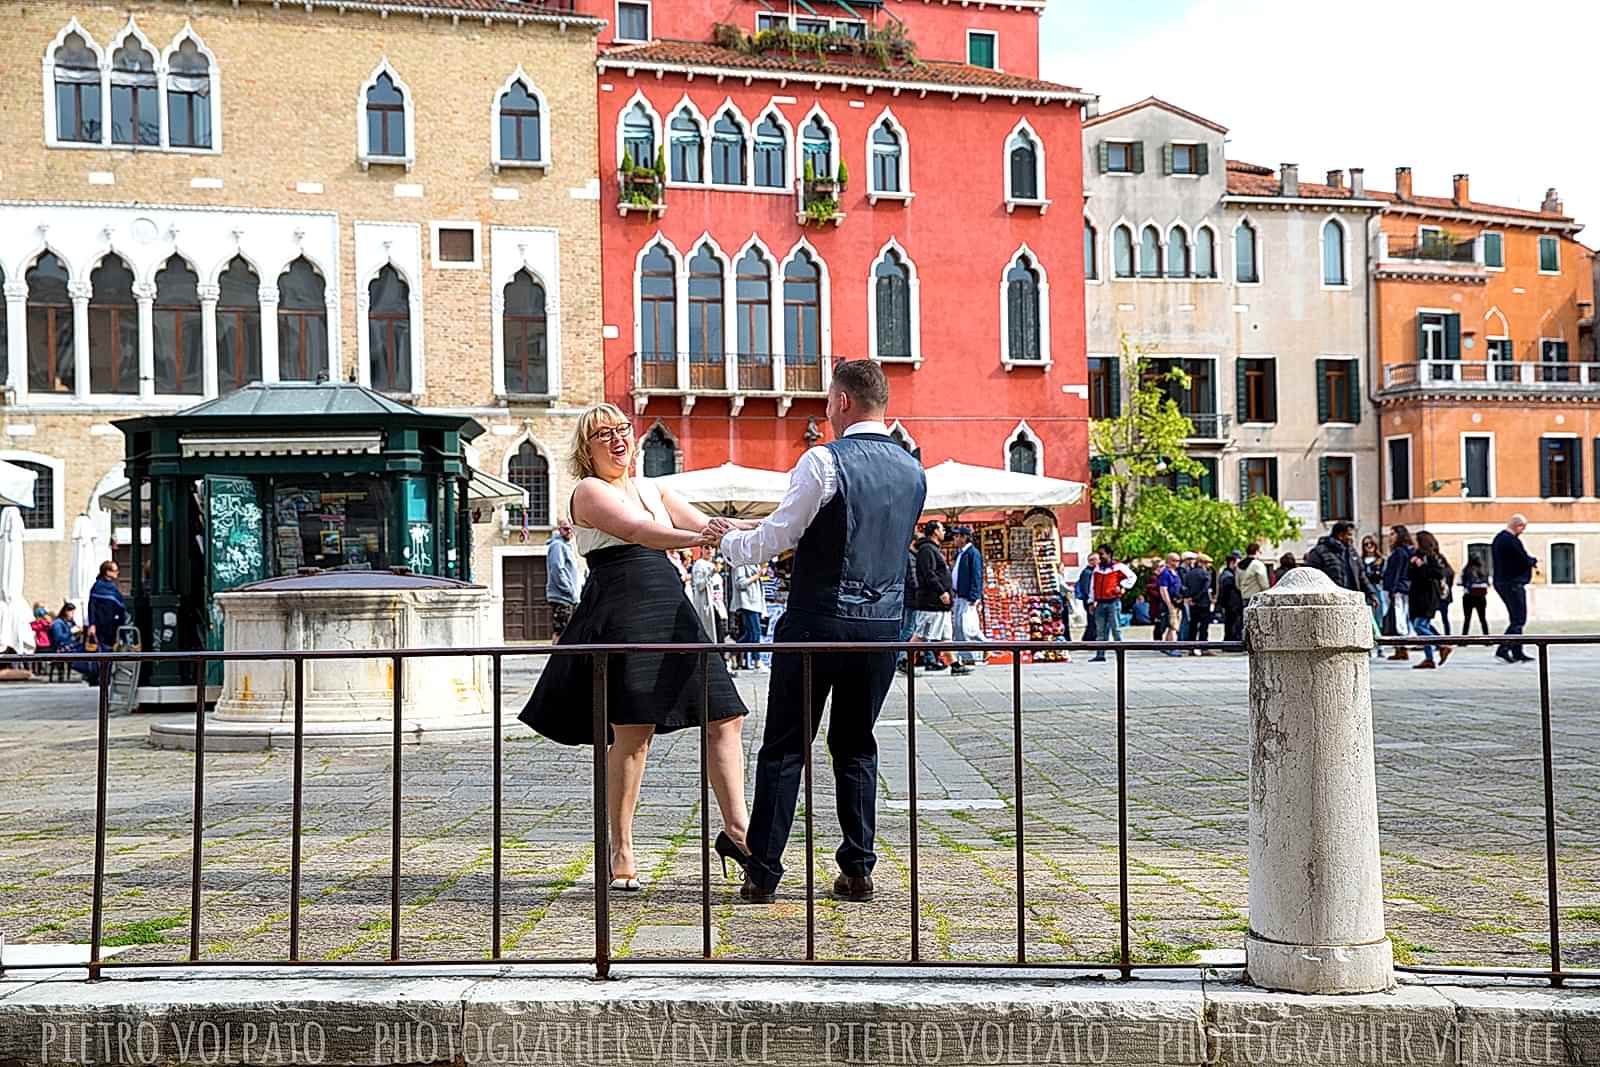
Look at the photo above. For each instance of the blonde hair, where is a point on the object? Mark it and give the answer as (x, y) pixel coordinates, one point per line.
(593, 417)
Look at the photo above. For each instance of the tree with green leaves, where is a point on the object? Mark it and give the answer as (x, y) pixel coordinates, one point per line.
(1164, 520)
(1142, 442)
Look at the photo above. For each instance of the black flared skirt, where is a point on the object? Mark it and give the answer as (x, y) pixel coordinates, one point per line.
(634, 596)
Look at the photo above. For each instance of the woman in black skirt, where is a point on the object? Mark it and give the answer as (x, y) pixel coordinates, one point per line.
(623, 526)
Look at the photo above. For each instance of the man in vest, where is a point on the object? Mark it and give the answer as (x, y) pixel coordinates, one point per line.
(851, 508)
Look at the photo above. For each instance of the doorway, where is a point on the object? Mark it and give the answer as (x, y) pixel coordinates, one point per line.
(527, 612)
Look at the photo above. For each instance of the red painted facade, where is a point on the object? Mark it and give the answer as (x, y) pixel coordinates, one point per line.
(960, 401)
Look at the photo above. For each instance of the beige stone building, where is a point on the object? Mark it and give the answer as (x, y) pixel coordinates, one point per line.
(197, 195)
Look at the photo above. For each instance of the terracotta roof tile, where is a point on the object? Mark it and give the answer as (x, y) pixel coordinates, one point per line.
(1250, 179)
(776, 64)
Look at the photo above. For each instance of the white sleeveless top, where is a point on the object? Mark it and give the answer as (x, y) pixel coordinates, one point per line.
(587, 539)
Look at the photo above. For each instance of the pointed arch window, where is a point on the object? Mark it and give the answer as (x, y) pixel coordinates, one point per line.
(50, 325)
(135, 111)
(658, 318)
(639, 137)
(1333, 266)
(727, 150)
(816, 145)
(389, 332)
(1246, 262)
(753, 298)
(688, 148)
(1150, 253)
(1205, 253)
(660, 454)
(302, 324)
(772, 154)
(521, 133)
(1122, 252)
(78, 102)
(1091, 252)
(1022, 306)
(1177, 253)
(386, 118)
(887, 155)
(706, 367)
(1024, 161)
(892, 285)
(113, 329)
(898, 435)
(529, 470)
(1022, 456)
(179, 345)
(524, 326)
(802, 324)
(189, 97)
(238, 326)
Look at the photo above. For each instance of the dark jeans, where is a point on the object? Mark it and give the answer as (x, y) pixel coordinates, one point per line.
(1444, 616)
(1425, 628)
(1233, 625)
(1088, 627)
(749, 634)
(1196, 624)
(858, 681)
(1515, 597)
(1471, 604)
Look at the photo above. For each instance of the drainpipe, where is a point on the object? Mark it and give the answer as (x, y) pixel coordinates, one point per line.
(1373, 370)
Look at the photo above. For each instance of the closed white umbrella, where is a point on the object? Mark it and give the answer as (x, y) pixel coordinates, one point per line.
(731, 490)
(87, 554)
(16, 485)
(16, 630)
(955, 487)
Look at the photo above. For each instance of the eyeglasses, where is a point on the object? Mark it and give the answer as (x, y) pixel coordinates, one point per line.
(612, 433)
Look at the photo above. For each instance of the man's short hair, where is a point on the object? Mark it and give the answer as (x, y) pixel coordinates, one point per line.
(107, 567)
(864, 382)
(1251, 549)
(929, 526)
(1342, 527)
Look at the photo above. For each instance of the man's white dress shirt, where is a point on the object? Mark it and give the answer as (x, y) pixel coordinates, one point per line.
(813, 483)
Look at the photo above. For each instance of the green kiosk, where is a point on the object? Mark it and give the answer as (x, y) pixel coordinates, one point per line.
(279, 478)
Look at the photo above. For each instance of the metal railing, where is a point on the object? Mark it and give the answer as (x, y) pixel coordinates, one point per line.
(1208, 425)
(731, 373)
(1435, 251)
(1545, 375)
(602, 959)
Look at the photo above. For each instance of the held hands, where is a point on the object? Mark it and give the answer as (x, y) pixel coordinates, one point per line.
(712, 534)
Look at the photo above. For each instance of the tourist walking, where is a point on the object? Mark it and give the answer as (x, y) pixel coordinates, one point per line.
(1512, 569)
(1446, 594)
(622, 523)
(107, 613)
(1111, 580)
(851, 506)
(561, 578)
(1230, 605)
(934, 593)
(750, 604)
(968, 583)
(1196, 602)
(1083, 590)
(1474, 596)
(1169, 601)
(1397, 583)
(702, 589)
(1334, 554)
(1372, 571)
(1427, 569)
(1253, 577)
(1286, 563)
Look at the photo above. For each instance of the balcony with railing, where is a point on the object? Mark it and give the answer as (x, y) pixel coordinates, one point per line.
(1500, 376)
(738, 376)
(1208, 425)
(1436, 256)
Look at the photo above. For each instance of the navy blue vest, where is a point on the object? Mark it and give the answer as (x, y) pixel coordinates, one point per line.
(851, 561)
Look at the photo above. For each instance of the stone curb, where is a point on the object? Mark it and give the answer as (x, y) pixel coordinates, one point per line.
(732, 1015)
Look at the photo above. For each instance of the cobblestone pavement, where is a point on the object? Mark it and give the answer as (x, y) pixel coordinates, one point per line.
(1460, 803)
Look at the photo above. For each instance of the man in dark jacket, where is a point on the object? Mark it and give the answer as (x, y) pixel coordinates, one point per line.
(1196, 578)
(934, 594)
(908, 609)
(1084, 591)
(967, 580)
(107, 614)
(1335, 556)
(1230, 604)
(1513, 570)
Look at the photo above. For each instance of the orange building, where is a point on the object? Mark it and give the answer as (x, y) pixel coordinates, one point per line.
(1489, 395)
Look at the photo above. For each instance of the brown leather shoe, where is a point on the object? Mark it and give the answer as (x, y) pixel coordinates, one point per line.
(856, 890)
(751, 893)
(1400, 654)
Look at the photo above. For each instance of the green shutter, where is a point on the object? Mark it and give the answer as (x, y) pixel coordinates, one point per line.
(1166, 159)
(1452, 336)
(1244, 480)
(1354, 379)
(1202, 159)
(1272, 477)
(1208, 479)
(1103, 150)
(1422, 339)
(1324, 406)
(1324, 489)
(1271, 369)
(1114, 375)
(1577, 468)
(1240, 386)
(1138, 157)
(1546, 447)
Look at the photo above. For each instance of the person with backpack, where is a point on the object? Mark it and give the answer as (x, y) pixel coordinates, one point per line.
(1111, 580)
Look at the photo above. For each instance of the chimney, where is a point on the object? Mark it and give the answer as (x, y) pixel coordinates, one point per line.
(1358, 181)
(1289, 180)
(1552, 202)
(1458, 191)
(1336, 179)
(1402, 183)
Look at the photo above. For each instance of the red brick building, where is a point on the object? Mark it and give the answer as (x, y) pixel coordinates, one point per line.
(840, 181)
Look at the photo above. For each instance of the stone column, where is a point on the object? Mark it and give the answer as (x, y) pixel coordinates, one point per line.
(16, 377)
(268, 297)
(1316, 888)
(80, 293)
(145, 294)
(209, 295)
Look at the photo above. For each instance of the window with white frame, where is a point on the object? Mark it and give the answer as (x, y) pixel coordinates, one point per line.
(803, 322)
(1177, 252)
(1122, 251)
(983, 49)
(1091, 254)
(135, 92)
(389, 332)
(659, 453)
(1205, 252)
(179, 348)
(79, 105)
(658, 317)
(638, 132)
(771, 153)
(687, 136)
(1120, 157)
(44, 521)
(129, 96)
(1399, 457)
(1246, 255)
(386, 119)
(529, 469)
(1477, 466)
(456, 246)
(1024, 312)
(1024, 166)
(113, 328)
(888, 154)
(51, 327)
(191, 94)
(1494, 250)
(1333, 258)
(1023, 454)
(894, 306)
(302, 323)
(728, 149)
(1563, 563)
(1150, 253)
(520, 125)
(633, 20)
(238, 326)
(1549, 254)
(817, 152)
(1185, 158)
(525, 336)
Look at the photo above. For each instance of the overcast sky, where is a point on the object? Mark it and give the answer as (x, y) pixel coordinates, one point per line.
(1501, 91)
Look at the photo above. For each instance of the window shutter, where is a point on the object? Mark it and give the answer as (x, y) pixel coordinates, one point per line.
(1272, 477)
(1323, 404)
(1272, 390)
(1354, 378)
(1166, 159)
(1241, 390)
(1545, 450)
(1577, 468)
(1138, 157)
(1103, 150)
(1114, 375)
(1422, 340)
(1324, 489)
(1202, 159)
(1452, 336)
(1244, 480)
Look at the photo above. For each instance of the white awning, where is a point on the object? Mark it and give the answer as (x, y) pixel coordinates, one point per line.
(955, 487)
(738, 492)
(487, 490)
(16, 485)
(344, 444)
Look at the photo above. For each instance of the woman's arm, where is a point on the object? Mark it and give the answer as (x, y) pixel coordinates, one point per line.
(597, 505)
(684, 515)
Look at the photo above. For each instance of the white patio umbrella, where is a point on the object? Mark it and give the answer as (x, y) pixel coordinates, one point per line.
(731, 490)
(956, 487)
(88, 552)
(16, 631)
(16, 485)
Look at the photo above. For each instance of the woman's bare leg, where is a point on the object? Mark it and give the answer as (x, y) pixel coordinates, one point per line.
(624, 771)
(725, 764)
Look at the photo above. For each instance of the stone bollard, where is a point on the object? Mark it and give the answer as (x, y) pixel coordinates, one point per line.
(1316, 886)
